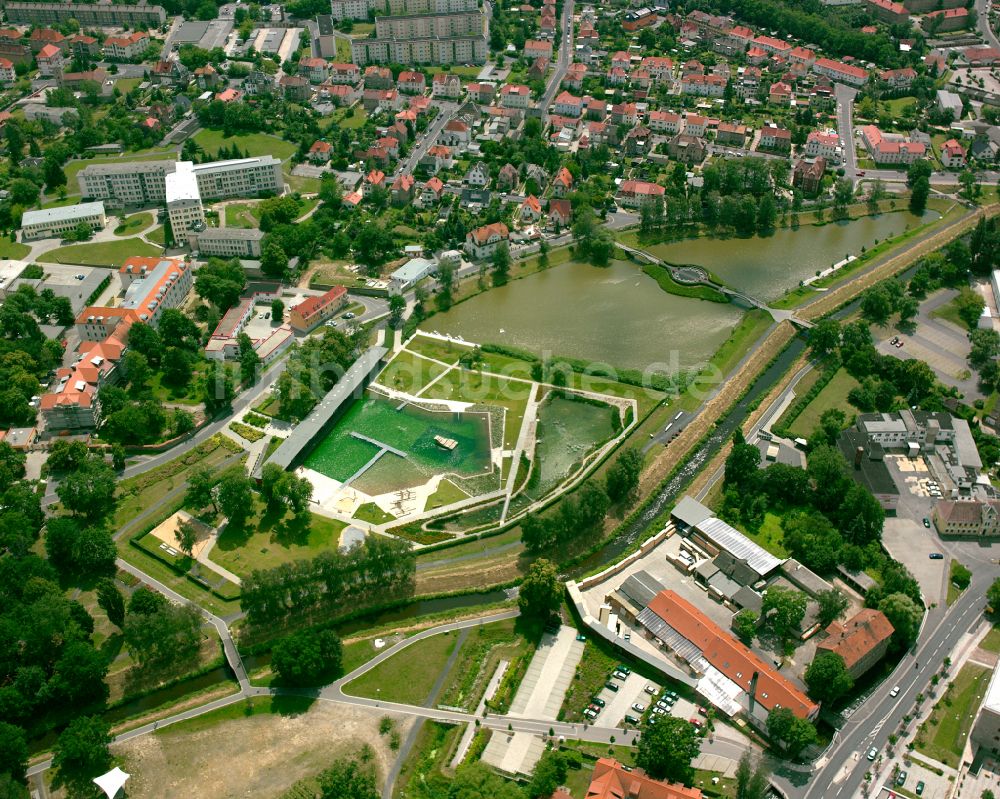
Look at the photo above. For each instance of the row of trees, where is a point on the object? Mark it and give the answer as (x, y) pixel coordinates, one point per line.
(312, 369)
(379, 570)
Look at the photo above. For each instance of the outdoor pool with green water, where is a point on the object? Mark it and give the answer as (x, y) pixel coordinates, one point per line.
(568, 430)
(409, 429)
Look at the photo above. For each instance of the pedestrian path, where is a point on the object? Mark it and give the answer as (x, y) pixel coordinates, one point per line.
(470, 729)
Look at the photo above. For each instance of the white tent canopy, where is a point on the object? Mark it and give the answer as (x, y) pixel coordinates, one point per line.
(112, 782)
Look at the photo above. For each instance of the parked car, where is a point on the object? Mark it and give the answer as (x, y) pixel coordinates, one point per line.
(697, 723)
(650, 689)
(936, 556)
(659, 711)
(872, 753)
(894, 691)
(901, 778)
(623, 669)
(611, 686)
(671, 694)
(702, 711)
(618, 675)
(927, 523)
(920, 788)
(590, 714)
(631, 720)
(598, 701)
(581, 637)
(638, 708)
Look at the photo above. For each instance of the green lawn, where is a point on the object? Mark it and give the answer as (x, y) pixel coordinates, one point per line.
(991, 643)
(742, 340)
(13, 249)
(243, 215)
(134, 224)
(267, 540)
(349, 119)
(447, 493)
(343, 50)
(465, 73)
(372, 513)
(833, 395)
(125, 85)
(158, 235)
(108, 253)
(211, 141)
(770, 535)
(478, 659)
(407, 676)
(409, 373)
(943, 735)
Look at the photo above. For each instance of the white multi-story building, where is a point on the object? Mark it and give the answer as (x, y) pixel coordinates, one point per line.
(57, 221)
(184, 200)
(242, 177)
(7, 74)
(823, 144)
(425, 32)
(229, 242)
(450, 50)
(131, 183)
(351, 9)
(126, 48)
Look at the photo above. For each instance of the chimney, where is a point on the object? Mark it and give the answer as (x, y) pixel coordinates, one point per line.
(752, 693)
(859, 455)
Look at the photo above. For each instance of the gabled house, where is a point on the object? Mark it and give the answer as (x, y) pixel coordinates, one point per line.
(295, 87)
(560, 213)
(478, 175)
(438, 157)
(562, 183)
(484, 241)
(373, 180)
(861, 641)
(411, 82)
(431, 192)
(531, 209)
(952, 154)
(508, 178)
(455, 134)
(446, 85)
(320, 151)
(314, 70)
(403, 190)
(687, 149)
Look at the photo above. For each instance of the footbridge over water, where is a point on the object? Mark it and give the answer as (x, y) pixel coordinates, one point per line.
(694, 275)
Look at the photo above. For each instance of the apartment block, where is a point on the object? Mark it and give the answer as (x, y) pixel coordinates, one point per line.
(132, 183)
(424, 32)
(104, 15)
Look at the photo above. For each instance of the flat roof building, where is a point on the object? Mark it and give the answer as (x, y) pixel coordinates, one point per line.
(50, 222)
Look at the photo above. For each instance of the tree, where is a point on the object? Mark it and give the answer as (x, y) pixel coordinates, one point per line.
(745, 625)
(273, 260)
(397, 305)
(90, 490)
(305, 658)
(828, 471)
(877, 304)
(969, 305)
(348, 779)
(66, 456)
(144, 339)
(666, 749)
(235, 497)
(218, 390)
(540, 592)
(146, 602)
(783, 610)
(187, 537)
(904, 615)
(278, 310)
(111, 601)
(993, 595)
(832, 604)
(81, 753)
(793, 733)
(220, 283)
(918, 178)
(843, 194)
(118, 457)
(13, 751)
(753, 778)
(824, 338)
(742, 464)
(501, 264)
(623, 475)
(828, 678)
(169, 634)
(249, 360)
(550, 773)
(200, 492)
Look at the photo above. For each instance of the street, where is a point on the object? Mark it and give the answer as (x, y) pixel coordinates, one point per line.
(563, 61)
(845, 127)
(445, 111)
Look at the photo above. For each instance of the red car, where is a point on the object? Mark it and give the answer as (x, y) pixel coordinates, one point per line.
(697, 723)
(702, 711)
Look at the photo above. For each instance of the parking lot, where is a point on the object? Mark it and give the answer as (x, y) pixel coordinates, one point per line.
(632, 691)
(935, 786)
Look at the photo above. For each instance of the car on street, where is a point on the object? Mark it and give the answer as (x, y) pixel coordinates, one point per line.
(697, 723)
(611, 686)
(861, 173)
(919, 791)
(638, 708)
(872, 753)
(894, 691)
(927, 523)
(936, 556)
(702, 711)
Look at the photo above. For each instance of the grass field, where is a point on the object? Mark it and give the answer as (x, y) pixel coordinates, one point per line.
(991, 643)
(244, 215)
(13, 249)
(447, 493)
(478, 659)
(407, 676)
(134, 224)
(107, 253)
(211, 141)
(750, 328)
(770, 535)
(833, 395)
(409, 373)
(372, 513)
(349, 119)
(943, 735)
(158, 235)
(267, 540)
(445, 351)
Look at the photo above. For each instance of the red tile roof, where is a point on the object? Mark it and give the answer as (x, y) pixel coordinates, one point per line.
(312, 305)
(857, 636)
(611, 781)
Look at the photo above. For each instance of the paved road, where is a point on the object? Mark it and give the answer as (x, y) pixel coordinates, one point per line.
(983, 23)
(841, 770)
(563, 60)
(845, 127)
(446, 110)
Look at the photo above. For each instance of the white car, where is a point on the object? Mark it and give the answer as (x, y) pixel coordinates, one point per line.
(872, 753)
(639, 708)
(894, 691)
(650, 689)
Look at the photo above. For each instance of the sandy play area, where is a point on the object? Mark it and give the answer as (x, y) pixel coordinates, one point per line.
(261, 755)
(167, 532)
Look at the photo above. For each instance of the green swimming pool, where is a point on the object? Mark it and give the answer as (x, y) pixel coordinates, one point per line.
(408, 429)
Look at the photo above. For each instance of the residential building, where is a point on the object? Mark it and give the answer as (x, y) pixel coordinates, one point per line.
(455, 133)
(483, 241)
(560, 213)
(295, 87)
(101, 15)
(126, 184)
(478, 175)
(861, 641)
(633, 193)
(660, 68)
(973, 519)
(314, 70)
(227, 242)
(508, 178)
(775, 138)
(431, 193)
(351, 9)
(946, 20)
(866, 466)
(567, 105)
(344, 74)
(687, 149)
(732, 134)
(531, 209)
(402, 190)
(50, 61)
(840, 72)
(704, 85)
(411, 273)
(635, 19)
(562, 183)
(536, 48)
(891, 148)
(320, 151)
(898, 78)
(375, 179)
(888, 12)
(43, 36)
(446, 85)
(83, 46)
(184, 207)
(664, 121)
(410, 82)
(150, 284)
(771, 45)
(514, 95)
(953, 154)
(313, 311)
(481, 93)
(695, 125)
(949, 101)
(127, 47)
(451, 32)
(75, 403)
(612, 780)
(802, 55)
(51, 222)
(7, 74)
(808, 174)
(823, 144)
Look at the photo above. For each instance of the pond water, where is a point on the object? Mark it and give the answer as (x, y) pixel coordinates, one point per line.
(616, 314)
(768, 267)
(567, 431)
(408, 429)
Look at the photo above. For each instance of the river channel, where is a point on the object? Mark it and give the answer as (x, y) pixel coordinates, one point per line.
(766, 267)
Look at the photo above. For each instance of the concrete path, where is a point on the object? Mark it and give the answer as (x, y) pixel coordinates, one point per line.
(204, 559)
(470, 730)
(527, 432)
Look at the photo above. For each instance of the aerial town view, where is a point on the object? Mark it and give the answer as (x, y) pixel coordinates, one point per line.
(501, 399)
